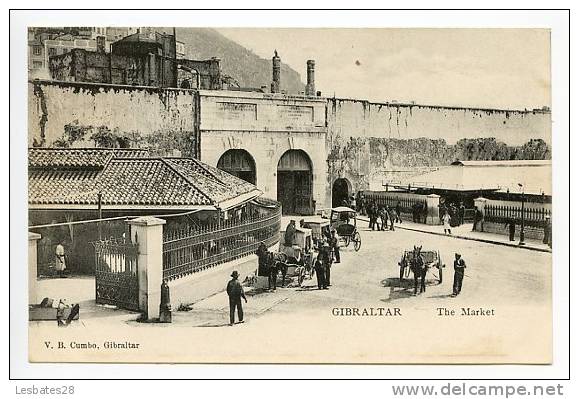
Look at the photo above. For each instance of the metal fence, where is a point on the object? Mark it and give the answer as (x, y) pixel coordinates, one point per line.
(533, 217)
(391, 199)
(193, 249)
(116, 273)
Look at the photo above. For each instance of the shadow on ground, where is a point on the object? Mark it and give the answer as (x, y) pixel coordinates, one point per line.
(404, 289)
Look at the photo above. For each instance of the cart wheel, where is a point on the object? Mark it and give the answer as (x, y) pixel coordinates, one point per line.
(346, 241)
(357, 241)
(406, 271)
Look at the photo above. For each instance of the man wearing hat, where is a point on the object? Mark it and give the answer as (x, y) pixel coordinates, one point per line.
(235, 293)
(459, 266)
(320, 271)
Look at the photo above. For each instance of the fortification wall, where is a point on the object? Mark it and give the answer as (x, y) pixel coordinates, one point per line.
(68, 113)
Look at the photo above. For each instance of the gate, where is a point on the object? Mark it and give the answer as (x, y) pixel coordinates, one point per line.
(116, 273)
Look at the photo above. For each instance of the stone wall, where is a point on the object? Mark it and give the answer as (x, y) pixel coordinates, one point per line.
(370, 142)
(532, 233)
(69, 114)
(357, 118)
(366, 143)
(266, 126)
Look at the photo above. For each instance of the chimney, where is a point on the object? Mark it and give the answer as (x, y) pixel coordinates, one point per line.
(100, 44)
(276, 64)
(311, 86)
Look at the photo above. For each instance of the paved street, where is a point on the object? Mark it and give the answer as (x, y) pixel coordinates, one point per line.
(513, 283)
(370, 277)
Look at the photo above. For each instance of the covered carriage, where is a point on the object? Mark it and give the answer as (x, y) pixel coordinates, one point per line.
(343, 220)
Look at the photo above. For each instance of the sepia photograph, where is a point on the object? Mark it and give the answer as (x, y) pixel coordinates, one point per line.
(280, 195)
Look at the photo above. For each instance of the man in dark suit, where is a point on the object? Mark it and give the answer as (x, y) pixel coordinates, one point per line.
(459, 266)
(235, 293)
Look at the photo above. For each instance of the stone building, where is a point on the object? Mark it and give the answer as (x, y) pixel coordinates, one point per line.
(305, 150)
(141, 59)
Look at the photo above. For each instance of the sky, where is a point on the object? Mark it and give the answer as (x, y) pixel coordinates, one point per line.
(490, 68)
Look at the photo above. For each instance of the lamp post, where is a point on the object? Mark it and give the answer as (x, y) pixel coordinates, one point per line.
(522, 235)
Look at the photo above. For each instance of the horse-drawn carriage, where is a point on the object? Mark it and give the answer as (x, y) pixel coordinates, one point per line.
(299, 257)
(421, 263)
(343, 220)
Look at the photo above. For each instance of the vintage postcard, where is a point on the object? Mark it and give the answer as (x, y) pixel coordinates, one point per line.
(317, 196)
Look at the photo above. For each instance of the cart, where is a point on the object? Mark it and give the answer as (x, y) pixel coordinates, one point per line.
(300, 256)
(431, 259)
(343, 220)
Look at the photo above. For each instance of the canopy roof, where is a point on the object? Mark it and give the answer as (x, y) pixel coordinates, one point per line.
(534, 177)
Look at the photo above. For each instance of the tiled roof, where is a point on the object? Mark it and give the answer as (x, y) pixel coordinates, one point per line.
(78, 157)
(218, 185)
(76, 176)
(46, 186)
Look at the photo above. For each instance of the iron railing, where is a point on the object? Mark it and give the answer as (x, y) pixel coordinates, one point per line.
(194, 249)
(383, 199)
(117, 273)
(534, 217)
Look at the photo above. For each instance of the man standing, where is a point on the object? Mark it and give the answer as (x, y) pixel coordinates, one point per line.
(461, 211)
(372, 215)
(446, 222)
(391, 217)
(262, 255)
(459, 266)
(335, 246)
(60, 265)
(327, 264)
(398, 211)
(380, 219)
(478, 217)
(511, 225)
(320, 272)
(547, 232)
(290, 233)
(235, 293)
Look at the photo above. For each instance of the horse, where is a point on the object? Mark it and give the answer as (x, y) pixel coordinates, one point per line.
(276, 262)
(419, 268)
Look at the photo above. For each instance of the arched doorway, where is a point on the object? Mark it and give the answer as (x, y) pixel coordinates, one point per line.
(294, 183)
(238, 163)
(340, 192)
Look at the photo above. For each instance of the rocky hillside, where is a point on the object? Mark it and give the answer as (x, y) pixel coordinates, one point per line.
(236, 61)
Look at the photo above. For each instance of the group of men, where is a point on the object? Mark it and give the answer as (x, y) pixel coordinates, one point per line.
(380, 216)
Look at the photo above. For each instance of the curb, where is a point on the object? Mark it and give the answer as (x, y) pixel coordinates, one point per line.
(470, 238)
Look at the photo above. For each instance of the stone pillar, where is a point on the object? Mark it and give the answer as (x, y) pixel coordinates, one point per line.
(480, 203)
(33, 268)
(432, 209)
(147, 231)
